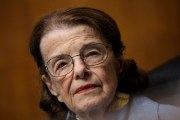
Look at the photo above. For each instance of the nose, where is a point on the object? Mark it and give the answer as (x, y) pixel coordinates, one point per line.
(80, 69)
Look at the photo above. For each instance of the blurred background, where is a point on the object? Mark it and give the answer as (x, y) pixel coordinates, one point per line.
(150, 30)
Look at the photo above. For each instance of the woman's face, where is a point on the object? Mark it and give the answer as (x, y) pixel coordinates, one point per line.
(85, 88)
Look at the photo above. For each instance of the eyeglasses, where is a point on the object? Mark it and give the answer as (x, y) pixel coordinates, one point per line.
(91, 55)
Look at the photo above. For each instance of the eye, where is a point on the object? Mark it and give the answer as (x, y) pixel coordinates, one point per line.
(92, 53)
(60, 65)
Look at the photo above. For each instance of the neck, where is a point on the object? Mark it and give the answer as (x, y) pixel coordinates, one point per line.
(117, 103)
(94, 115)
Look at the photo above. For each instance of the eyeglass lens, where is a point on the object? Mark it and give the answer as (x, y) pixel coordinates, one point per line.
(91, 55)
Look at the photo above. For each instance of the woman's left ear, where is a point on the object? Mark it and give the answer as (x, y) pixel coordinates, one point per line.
(119, 65)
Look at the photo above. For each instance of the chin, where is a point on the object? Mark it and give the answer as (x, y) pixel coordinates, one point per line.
(92, 105)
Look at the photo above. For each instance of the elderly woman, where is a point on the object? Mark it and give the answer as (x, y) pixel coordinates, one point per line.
(79, 53)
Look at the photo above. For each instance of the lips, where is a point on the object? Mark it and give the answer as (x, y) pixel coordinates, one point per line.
(85, 88)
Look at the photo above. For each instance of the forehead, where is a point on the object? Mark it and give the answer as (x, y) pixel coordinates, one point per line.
(67, 40)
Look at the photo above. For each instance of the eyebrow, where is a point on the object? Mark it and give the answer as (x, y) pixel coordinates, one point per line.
(87, 44)
(83, 47)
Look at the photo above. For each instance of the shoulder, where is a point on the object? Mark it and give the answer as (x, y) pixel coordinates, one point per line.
(168, 112)
(141, 101)
(142, 107)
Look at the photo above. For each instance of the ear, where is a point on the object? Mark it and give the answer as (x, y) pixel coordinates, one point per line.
(51, 88)
(120, 65)
(60, 98)
(49, 84)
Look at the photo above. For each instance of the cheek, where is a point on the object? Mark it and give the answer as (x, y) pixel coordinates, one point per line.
(63, 86)
(108, 77)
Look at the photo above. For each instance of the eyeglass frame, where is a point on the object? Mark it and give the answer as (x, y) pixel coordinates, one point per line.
(72, 60)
